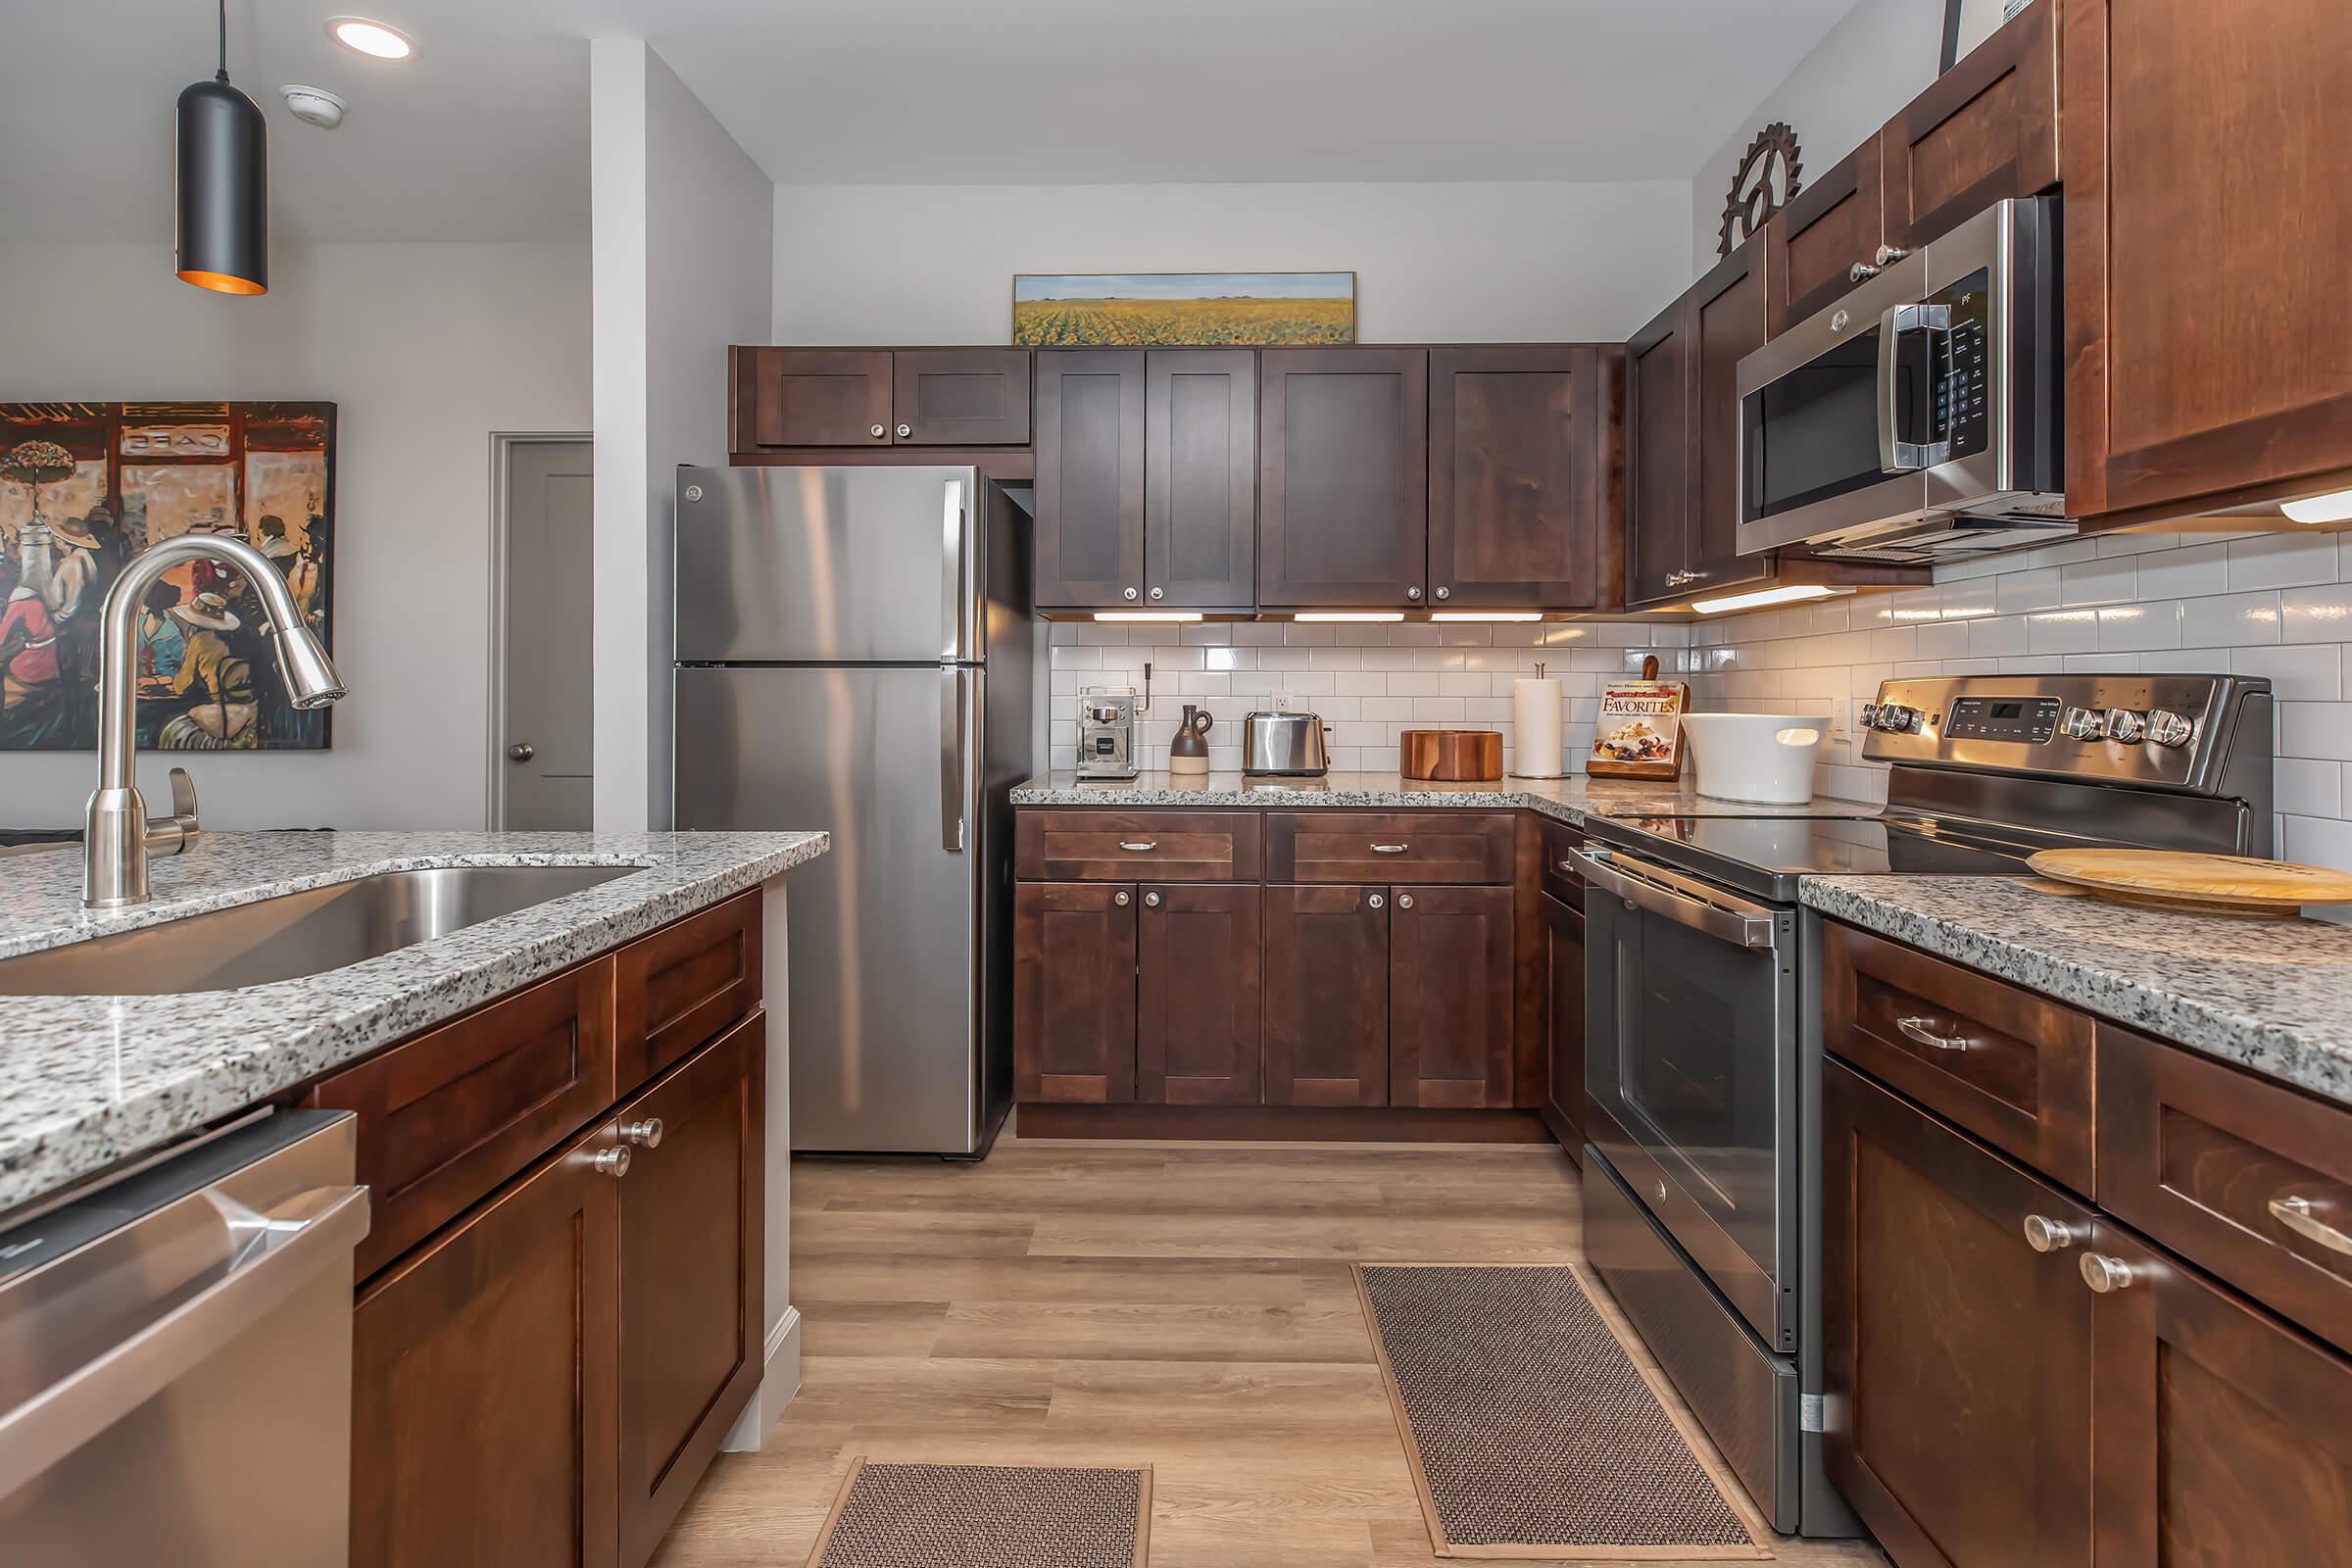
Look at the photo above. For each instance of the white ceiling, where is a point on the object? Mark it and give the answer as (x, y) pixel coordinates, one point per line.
(483, 135)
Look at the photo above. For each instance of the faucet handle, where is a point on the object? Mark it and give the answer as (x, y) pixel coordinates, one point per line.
(184, 796)
(172, 835)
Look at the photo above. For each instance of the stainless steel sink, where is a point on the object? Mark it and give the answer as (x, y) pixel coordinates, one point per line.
(295, 935)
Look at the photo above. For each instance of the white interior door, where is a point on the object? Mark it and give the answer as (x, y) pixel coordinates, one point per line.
(547, 752)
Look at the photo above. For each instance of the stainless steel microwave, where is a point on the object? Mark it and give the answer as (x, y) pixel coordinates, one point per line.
(1918, 419)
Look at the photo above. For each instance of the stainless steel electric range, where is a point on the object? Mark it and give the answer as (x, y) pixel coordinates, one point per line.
(1702, 1173)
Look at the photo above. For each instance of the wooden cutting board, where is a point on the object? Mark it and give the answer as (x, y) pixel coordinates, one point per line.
(1452, 756)
(2227, 884)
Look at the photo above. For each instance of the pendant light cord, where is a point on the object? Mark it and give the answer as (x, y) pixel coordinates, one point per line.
(221, 75)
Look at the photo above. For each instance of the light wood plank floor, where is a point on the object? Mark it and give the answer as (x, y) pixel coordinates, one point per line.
(1186, 1306)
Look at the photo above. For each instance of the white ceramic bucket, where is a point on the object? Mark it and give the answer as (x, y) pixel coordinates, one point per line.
(1758, 759)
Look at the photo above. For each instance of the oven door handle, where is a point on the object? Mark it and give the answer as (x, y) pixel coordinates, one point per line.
(1702, 908)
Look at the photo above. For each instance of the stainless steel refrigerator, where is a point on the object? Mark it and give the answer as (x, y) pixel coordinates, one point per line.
(856, 653)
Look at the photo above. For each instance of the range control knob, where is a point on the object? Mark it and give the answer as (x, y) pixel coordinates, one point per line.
(2086, 724)
(1895, 718)
(2126, 724)
(1870, 716)
(2167, 728)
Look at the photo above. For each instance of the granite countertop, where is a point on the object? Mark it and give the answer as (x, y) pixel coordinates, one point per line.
(87, 1081)
(2275, 996)
(1568, 800)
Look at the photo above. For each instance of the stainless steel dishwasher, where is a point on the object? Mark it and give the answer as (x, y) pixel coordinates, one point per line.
(176, 1359)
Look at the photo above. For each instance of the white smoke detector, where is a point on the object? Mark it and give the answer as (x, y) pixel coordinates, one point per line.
(315, 105)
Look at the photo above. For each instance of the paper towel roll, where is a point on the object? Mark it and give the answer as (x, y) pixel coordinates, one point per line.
(1536, 728)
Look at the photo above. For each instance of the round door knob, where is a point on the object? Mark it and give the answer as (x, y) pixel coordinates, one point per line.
(694, 492)
(1413, 593)
(612, 1162)
(2105, 1275)
(1444, 593)
(1377, 901)
(1404, 900)
(1119, 897)
(1861, 273)
(1128, 593)
(646, 1134)
(1159, 593)
(2045, 1235)
(1150, 901)
(880, 431)
(1888, 255)
(521, 751)
(906, 430)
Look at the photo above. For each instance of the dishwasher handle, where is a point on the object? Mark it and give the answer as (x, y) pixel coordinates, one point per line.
(1705, 909)
(272, 1255)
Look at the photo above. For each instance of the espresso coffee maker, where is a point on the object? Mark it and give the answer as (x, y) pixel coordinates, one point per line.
(1106, 733)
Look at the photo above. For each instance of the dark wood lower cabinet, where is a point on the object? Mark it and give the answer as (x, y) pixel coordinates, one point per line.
(2224, 1437)
(1197, 966)
(1073, 991)
(1451, 997)
(1958, 1358)
(484, 1370)
(1564, 1045)
(690, 1273)
(1327, 1006)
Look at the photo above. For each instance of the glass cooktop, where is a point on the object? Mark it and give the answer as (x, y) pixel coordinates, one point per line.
(1767, 853)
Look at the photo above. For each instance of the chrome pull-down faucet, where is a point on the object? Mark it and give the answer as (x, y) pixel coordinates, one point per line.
(118, 836)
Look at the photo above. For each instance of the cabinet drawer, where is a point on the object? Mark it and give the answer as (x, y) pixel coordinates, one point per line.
(1090, 846)
(1562, 878)
(2249, 1179)
(2012, 1067)
(1388, 846)
(448, 1117)
(685, 983)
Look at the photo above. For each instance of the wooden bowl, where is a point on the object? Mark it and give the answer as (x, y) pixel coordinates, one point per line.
(1451, 756)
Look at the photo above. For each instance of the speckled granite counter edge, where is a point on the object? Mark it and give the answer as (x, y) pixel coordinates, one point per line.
(2211, 1028)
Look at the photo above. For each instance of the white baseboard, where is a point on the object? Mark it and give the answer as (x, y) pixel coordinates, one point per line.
(780, 1380)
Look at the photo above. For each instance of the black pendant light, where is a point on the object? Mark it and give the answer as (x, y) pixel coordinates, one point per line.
(224, 185)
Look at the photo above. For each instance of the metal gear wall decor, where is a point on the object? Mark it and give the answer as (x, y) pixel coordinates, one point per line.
(1766, 178)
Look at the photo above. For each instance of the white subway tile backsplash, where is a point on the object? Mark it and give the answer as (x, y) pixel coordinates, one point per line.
(2136, 628)
(2108, 581)
(2229, 620)
(2282, 561)
(2302, 674)
(2315, 615)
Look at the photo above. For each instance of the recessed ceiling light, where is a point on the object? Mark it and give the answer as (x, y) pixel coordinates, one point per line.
(371, 39)
(2336, 507)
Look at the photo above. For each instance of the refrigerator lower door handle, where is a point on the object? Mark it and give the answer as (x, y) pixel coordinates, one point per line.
(953, 705)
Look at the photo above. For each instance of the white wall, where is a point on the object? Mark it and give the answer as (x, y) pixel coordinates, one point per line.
(1880, 58)
(425, 349)
(1434, 262)
(682, 229)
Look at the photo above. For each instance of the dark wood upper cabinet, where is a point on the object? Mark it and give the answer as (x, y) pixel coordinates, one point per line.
(1073, 992)
(1517, 465)
(2208, 331)
(1829, 227)
(2221, 1431)
(1986, 129)
(784, 397)
(1657, 457)
(1451, 997)
(959, 397)
(693, 1237)
(1197, 996)
(1343, 478)
(1090, 478)
(1727, 326)
(484, 1368)
(1327, 1008)
(1201, 478)
(1958, 1358)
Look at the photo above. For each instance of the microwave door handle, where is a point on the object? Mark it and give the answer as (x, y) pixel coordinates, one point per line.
(1891, 447)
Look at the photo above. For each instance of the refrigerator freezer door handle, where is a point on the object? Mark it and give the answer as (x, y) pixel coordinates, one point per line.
(954, 601)
(952, 740)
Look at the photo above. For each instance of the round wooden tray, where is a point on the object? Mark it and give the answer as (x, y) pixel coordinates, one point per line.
(2175, 879)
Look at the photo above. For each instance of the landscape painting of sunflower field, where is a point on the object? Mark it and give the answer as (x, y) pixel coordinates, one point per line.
(1063, 310)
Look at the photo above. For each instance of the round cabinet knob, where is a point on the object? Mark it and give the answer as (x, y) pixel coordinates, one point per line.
(1119, 897)
(1888, 255)
(2045, 1235)
(1150, 901)
(1128, 593)
(2105, 1275)
(1444, 593)
(646, 1134)
(1413, 593)
(1377, 901)
(906, 430)
(1861, 273)
(881, 430)
(521, 751)
(2167, 728)
(1159, 593)
(612, 1162)
(2085, 724)
(2127, 725)
(1404, 900)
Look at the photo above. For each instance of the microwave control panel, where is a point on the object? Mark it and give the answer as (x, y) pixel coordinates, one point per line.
(1963, 394)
